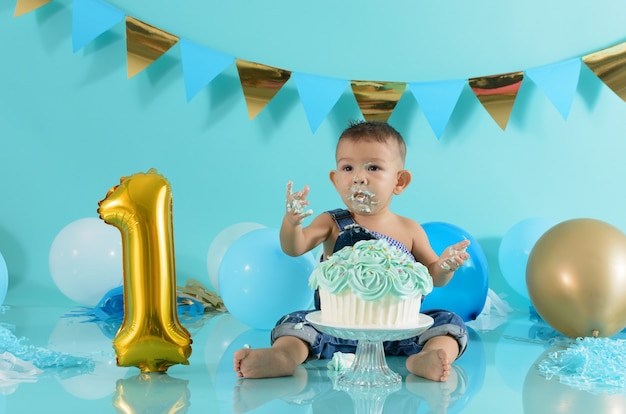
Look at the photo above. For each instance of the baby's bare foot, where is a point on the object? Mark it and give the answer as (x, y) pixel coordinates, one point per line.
(263, 363)
(432, 364)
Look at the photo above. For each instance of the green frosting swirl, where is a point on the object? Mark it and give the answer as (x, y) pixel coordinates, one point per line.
(372, 269)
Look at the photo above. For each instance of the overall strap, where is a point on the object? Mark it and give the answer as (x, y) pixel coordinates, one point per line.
(342, 218)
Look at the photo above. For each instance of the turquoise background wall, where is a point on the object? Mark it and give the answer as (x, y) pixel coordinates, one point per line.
(71, 124)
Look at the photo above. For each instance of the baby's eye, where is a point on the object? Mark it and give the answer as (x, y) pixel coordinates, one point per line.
(346, 168)
(373, 168)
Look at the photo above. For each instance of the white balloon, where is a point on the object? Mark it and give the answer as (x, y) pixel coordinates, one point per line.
(220, 245)
(85, 260)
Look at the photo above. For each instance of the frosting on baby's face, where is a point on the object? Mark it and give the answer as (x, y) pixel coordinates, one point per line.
(367, 174)
(361, 198)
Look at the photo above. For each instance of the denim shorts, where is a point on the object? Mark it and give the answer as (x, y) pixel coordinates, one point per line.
(323, 345)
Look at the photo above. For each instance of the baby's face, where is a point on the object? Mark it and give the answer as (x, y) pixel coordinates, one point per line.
(367, 173)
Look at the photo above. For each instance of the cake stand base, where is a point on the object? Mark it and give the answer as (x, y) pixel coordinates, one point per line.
(369, 368)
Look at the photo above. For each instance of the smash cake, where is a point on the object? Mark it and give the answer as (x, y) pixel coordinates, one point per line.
(371, 284)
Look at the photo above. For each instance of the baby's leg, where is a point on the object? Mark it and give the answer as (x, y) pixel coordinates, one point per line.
(280, 360)
(433, 361)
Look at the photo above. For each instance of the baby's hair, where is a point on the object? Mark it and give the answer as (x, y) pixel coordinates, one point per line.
(376, 130)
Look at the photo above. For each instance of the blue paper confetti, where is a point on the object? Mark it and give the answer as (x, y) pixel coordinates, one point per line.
(111, 308)
(42, 358)
(596, 365)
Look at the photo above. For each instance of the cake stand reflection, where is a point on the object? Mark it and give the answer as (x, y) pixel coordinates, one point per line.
(369, 368)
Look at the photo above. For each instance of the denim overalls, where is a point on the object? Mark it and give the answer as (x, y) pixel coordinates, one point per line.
(322, 345)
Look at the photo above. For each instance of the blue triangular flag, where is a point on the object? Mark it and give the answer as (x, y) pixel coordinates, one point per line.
(558, 82)
(201, 65)
(318, 94)
(91, 18)
(437, 100)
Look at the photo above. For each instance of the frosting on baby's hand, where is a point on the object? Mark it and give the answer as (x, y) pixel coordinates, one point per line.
(454, 256)
(297, 202)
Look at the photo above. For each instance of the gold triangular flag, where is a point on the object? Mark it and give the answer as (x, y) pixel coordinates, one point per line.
(144, 45)
(610, 66)
(260, 83)
(377, 100)
(497, 94)
(27, 6)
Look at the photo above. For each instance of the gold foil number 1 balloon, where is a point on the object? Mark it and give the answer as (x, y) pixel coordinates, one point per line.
(151, 337)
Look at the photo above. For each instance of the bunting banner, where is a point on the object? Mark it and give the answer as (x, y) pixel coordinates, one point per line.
(144, 45)
(260, 83)
(201, 65)
(318, 94)
(437, 100)
(91, 18)
(609, 65)
(558, 82)
(497, 94)
(376, 100)
(27, 6)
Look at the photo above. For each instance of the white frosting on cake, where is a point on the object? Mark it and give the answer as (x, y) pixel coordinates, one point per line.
(371, 284)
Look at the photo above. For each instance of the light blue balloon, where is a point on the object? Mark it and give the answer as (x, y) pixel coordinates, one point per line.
(4, 279)
(515, 248)
(259, 283)
(466, 293)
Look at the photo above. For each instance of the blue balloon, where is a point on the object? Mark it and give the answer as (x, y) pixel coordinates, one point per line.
(259, 283)
(466, 293)
(515, 248)
(4, 279)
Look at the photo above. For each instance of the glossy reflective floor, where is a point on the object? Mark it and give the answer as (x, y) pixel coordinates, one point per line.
(497, 374)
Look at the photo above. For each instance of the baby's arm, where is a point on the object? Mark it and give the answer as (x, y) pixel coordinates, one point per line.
(441, 268)
(449, 261)
(294, 239)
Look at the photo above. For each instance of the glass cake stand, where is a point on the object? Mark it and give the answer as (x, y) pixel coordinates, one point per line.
(369, 368)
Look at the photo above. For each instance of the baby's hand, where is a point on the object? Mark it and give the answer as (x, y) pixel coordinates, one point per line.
(296, 202)
(454, 256)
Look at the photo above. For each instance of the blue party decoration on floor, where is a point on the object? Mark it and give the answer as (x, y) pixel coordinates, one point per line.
(111, 307)
(597, 365)
(42, 358)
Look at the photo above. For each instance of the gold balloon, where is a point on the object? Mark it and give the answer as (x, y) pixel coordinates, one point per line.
(151, 337)
(576, 278)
